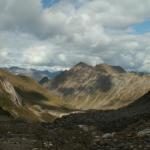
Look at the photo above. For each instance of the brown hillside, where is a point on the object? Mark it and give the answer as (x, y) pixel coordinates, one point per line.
(100, 87)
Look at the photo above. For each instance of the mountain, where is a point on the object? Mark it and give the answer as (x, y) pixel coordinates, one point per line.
(33, 73)
(24, 98)
(83, 87)
(98, 87)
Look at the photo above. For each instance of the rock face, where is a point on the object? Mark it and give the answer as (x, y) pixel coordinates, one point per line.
(100, 87)
(8, 88)
(9, 99)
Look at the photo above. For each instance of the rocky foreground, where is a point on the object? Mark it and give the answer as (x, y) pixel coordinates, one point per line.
(19, 135)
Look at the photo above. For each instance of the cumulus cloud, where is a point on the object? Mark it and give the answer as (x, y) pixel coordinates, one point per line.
(93, 31)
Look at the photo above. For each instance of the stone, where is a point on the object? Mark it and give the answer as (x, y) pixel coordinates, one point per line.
(84, 128)
(145, 132)
(108, 135)
(48, 144)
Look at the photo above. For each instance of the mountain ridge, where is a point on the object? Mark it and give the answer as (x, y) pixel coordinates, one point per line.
(98, 87)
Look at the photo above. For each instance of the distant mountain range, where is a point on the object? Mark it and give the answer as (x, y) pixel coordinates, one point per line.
(33, 73)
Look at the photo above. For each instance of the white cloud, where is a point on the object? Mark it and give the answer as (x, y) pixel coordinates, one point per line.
(94, 31)
(37, 55)
(4, 56)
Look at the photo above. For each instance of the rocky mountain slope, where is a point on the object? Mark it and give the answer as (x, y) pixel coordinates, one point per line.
(24, 98)
(99, 87)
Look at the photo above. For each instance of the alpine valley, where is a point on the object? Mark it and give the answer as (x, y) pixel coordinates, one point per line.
(85, 107)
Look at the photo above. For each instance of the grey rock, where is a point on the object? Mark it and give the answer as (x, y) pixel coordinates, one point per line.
(145, 132)
(108, 135)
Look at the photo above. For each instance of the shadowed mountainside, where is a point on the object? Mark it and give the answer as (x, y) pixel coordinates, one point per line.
(111, 120)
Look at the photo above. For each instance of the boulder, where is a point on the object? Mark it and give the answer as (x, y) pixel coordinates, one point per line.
(145, 132)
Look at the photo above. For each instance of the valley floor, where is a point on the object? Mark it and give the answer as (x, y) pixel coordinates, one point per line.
(17, 135)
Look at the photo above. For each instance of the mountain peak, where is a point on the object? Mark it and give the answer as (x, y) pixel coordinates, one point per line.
(81, 64)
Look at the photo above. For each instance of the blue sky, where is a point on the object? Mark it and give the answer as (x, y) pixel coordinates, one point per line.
(48, 3)
(142, 28)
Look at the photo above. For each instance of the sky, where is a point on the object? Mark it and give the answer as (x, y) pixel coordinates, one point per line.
(60, 33)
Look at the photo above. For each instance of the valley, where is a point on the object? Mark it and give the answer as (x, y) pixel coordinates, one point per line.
(86, 107)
